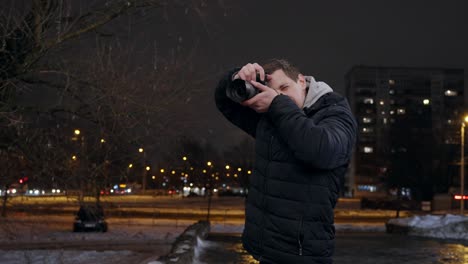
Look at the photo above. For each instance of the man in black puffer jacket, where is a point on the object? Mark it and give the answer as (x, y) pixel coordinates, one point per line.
(304, 136)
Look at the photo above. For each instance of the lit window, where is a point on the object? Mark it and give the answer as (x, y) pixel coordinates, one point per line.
(367, 129)
(450, 121)
(392, 112)
(426, 101)
(382, 102)
(383, 113)
(450, 93)
(368, 149)
(391, 91)
(368, 101)
(391, 82)
(385, 120)
(366, 120)
(401, 111)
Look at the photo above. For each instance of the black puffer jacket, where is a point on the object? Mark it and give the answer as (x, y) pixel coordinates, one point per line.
(300, 157)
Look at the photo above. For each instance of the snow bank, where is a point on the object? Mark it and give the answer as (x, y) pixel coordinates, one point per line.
(184, 250)
(437, 226)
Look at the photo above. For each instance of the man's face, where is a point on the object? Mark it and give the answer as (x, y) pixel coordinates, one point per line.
(296, 90)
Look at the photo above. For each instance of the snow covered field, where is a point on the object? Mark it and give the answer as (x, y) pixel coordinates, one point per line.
(50, 239)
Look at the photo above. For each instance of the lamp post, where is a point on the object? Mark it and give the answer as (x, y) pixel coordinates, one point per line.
(209, 189)
(143, 176)
(462, 166)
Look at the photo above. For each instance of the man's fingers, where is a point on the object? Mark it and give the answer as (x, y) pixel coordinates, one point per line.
(260, 86)
(251, 72)
(241, 75)
(260, 71)
(249, 102)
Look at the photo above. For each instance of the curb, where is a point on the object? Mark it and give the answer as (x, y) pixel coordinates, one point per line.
(183, 249)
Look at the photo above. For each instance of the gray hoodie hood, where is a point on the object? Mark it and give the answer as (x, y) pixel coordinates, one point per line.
(315, 90)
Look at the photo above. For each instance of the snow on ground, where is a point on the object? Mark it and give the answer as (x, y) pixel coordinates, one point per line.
(429, 221)
(66, 256)
(51, 229)
(438, 226)
(59, 228)
(49, 239)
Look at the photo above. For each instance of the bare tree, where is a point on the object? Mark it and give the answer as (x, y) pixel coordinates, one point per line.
(242, 156)
(117, 105)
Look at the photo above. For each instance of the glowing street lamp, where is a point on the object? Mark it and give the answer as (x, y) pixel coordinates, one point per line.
(227, 167)
(73, 157)
(162, 170)
(77, 132)
(148, 168)
(130, 165)
(140, 150)
(209, 163)
(184, 158)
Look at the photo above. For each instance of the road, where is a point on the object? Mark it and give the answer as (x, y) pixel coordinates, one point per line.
(166, 207)
(363, 248)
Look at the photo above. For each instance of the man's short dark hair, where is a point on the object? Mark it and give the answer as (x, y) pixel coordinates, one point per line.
(281, 64)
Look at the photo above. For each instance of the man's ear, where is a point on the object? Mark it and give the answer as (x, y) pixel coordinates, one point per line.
(301, 80)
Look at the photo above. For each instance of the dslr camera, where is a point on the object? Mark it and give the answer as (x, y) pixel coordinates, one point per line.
(240, 90)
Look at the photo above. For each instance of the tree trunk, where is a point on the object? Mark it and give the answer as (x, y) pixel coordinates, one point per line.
(4, 202)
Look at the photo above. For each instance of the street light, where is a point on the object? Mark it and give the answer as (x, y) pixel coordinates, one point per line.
(462, 165)
(77, 132)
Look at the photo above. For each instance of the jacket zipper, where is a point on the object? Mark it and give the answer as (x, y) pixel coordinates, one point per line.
(300, 236)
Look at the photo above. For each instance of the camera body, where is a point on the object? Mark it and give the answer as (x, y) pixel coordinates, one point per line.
(240, 90)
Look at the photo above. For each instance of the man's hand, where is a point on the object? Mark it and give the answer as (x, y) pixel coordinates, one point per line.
(262, 101)
(249, 72)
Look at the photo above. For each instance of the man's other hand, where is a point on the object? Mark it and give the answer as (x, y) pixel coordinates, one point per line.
(262, 101)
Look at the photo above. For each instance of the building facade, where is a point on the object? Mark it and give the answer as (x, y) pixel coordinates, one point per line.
(409, 130)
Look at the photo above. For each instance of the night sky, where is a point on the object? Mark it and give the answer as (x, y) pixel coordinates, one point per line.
(325, 39)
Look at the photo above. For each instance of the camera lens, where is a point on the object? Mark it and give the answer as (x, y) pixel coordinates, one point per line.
(241, 90)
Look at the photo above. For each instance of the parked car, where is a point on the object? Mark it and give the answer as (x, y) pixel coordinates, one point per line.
(90, 218)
